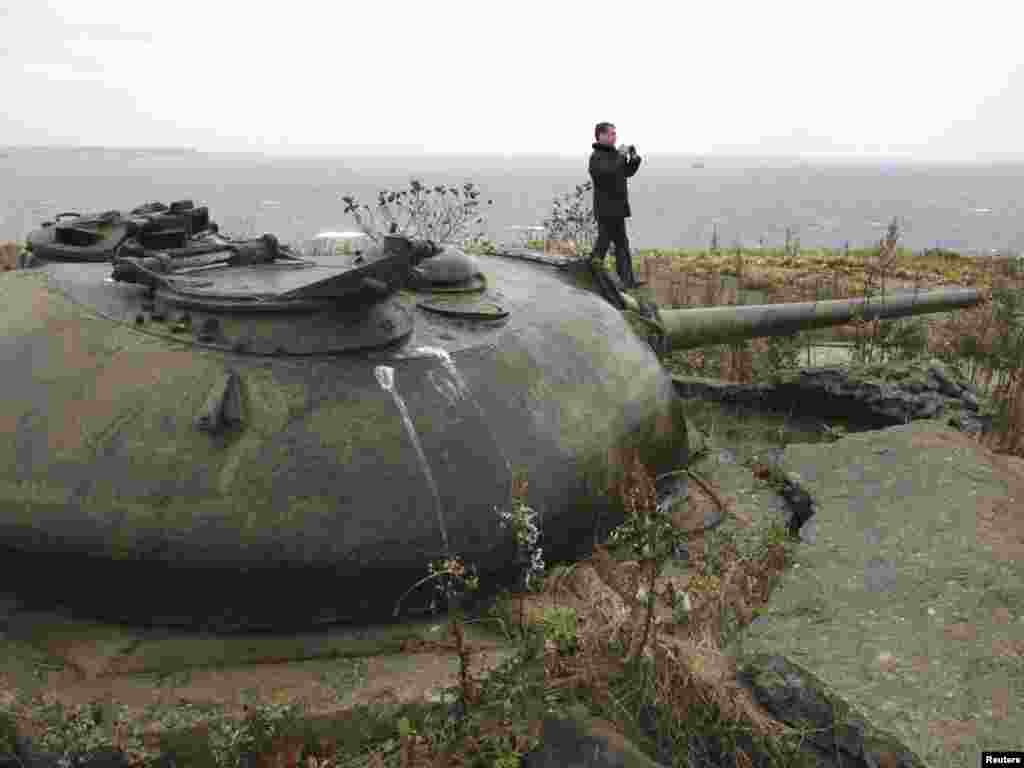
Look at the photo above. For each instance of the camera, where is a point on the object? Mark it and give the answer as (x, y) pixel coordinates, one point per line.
(627, 149)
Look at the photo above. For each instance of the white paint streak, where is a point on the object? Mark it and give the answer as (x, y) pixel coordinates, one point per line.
(386, 377)
(449, 365)
(448, 390)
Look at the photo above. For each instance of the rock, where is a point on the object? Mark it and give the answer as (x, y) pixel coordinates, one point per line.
(914, 386)
(456, 711)
(32, 757)
(568, 743)
(707, 749)
(841, 737)
(809, 532)
(9, 606)
(680, 553)
(907, 394)
(647, 719)
(947, 385)
(970, 400)
(879, 575)
(8, 757)
(800, 506)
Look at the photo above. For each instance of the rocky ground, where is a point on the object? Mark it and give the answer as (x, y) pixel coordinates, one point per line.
(880, 395)
(907, 599)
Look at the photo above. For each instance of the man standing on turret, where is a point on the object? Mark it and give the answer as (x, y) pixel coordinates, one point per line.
(609, 169)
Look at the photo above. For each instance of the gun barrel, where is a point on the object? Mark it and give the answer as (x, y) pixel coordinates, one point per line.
(688, 328)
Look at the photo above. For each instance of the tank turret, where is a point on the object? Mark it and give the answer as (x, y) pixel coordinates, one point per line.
(241, 437)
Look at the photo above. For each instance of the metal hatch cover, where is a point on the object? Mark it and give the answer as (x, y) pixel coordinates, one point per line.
(276, 286)
(257, 276)
(319, 327)
(475, 309)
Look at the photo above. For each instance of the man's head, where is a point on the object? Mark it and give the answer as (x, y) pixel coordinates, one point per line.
(605, 134)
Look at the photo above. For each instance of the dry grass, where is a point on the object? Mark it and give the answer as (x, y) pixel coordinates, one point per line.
(609, 597)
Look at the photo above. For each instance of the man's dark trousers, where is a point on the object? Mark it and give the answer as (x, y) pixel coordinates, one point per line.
(612, 229)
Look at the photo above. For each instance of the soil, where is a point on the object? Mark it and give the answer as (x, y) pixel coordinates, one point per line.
(76, 662)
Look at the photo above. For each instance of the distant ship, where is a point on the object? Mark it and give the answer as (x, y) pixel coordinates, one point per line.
(698, 164)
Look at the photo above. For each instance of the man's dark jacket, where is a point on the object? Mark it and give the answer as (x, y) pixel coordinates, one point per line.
(609, 171)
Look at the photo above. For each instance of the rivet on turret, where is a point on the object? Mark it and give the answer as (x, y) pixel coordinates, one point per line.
(223, 407)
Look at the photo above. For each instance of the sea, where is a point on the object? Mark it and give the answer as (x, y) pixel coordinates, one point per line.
(677, 201)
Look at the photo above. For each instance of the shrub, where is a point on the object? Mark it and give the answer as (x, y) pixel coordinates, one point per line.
(572, 218)
(444, 214)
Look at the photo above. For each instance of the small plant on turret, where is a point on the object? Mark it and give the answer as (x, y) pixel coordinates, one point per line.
(443, 214)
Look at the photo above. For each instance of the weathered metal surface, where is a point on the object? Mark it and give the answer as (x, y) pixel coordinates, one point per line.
(463, 308)
(451, 265)
(528, 254)
(257, 274)
(320, 496)
(284, 327)
(687, 328)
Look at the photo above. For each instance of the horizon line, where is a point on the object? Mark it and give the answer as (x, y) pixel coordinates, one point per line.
(403, 152)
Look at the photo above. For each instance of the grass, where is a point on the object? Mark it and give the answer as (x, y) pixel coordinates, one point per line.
(984, 344)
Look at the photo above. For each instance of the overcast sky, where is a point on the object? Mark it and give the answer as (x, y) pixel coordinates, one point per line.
(929, 80)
